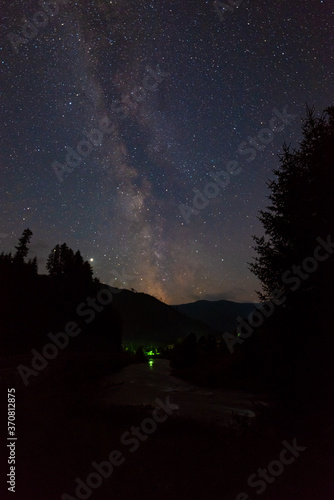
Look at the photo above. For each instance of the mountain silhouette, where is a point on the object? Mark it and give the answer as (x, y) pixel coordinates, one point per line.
(146, 320)
(221, 315)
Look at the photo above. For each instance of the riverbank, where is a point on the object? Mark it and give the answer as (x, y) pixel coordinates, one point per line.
(63, 427)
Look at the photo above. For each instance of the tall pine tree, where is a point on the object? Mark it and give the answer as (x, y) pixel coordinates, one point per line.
(22, 248)
(68, 266)
(300, 212)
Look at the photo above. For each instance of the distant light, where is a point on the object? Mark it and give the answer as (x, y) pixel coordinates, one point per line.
(91, 260)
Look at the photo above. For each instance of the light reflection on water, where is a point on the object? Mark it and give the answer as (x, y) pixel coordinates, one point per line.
(140, 384)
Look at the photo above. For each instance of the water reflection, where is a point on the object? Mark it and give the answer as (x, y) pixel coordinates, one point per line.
(142, 383)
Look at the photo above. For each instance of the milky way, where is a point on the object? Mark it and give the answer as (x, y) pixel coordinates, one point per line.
(115, 114)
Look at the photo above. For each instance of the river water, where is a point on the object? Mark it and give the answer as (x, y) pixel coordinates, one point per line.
(141, 384)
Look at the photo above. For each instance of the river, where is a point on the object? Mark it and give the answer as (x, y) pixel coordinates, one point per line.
(141, 384)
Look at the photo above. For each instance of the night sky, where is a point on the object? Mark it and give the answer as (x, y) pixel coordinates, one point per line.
(179, 92)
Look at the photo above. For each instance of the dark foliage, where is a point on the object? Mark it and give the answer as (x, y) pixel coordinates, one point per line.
(32, 305)
(294, 348)
(300, 212)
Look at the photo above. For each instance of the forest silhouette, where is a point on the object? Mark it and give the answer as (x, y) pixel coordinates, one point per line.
(287, 354)
(289, 351)
(34, 304)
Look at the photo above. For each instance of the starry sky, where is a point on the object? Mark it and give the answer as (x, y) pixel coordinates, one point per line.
(115, 116)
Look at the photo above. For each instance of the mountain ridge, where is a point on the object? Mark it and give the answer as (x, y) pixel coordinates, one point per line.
(147, 320)
(221, 315)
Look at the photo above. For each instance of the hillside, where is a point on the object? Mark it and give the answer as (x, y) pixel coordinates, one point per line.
(146, 320)
(221, 315)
